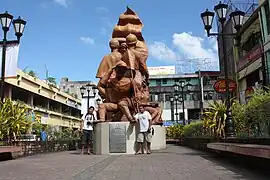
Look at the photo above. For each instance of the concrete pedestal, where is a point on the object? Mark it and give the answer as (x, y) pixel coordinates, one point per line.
(103, 140)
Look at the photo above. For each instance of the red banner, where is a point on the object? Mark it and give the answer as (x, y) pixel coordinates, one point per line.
(220, 86)
(250, 57)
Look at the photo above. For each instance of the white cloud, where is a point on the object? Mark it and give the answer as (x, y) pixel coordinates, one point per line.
(63, 3)
(160, 51)
(87, 40)
(190, 51)
(102, 9)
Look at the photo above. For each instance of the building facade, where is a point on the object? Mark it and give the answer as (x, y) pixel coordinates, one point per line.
(247, 6)
(72, 87)
(250, 63)
(49, 104)
(264, 15)
(161, 89)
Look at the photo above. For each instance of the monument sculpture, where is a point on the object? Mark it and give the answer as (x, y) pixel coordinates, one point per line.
(123, 74)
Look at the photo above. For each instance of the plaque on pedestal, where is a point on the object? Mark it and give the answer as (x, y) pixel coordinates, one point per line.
(117, 138)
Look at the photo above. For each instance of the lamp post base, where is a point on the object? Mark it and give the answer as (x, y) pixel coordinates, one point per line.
(229, 125)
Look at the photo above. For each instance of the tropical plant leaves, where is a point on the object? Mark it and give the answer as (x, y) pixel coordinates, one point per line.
(14, 119)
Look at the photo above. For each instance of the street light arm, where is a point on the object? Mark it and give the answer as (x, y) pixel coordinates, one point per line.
(10, 42)
(221, 34)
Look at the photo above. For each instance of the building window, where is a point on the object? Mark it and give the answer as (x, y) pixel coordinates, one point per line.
(164, 81)
(267, 14)
(253, 78)
(158, 82)
(167, 97)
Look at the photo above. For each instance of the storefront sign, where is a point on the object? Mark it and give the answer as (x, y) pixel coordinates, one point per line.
(220, 86)
(252, 56)
(162, 70)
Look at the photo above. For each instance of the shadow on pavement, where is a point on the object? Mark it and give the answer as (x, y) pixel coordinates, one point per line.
(246, 167)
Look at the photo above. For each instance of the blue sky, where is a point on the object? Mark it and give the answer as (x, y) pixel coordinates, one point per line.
(70, 37)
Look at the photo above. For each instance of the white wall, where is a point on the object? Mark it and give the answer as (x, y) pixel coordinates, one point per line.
(166, 115)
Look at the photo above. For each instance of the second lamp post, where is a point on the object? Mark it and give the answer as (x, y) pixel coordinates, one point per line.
(91, 93)
(237, 18)
(181, 98)
(6, 19)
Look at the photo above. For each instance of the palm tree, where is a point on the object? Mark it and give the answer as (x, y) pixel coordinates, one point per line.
(51, 81)
(32, 73)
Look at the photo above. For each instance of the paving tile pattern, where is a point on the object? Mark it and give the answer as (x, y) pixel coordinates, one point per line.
(174, 163)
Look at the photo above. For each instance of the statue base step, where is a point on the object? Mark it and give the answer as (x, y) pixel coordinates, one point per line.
(120, 138)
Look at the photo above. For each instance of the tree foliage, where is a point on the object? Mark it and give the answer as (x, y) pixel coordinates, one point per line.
(250, 120)
(14, 119)
(214, 118)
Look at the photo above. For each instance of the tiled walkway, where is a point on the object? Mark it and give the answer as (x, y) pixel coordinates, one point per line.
(175, 162)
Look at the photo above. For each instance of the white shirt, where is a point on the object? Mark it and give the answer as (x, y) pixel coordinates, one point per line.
(88, 119)
(143, 120)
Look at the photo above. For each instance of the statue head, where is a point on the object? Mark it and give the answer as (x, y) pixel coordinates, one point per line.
(131, 40)
(114, 44)
(123, 48)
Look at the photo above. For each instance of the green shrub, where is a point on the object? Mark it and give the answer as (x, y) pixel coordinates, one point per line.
(175, 131)
(193, 130)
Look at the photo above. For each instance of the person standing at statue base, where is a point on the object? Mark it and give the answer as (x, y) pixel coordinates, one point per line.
(145, 120)
(87, 127)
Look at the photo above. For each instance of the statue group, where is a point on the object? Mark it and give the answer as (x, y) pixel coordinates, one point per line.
(123, 74)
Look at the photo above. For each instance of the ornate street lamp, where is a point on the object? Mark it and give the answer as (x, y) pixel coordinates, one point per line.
(176, 98)
(221, 11)
(182, 86)
(91, 91)
(207, 18)
(176, 87)
(6, 20)
(172, 107)
(98, 101)
(19, 24)
(237, 18)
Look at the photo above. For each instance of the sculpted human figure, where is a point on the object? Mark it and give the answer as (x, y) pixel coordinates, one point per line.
(133, 57)
(120, 91)
(109, 60)
(142, 94)
(124, 75)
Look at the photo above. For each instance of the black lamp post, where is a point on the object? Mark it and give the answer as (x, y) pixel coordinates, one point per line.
(237, 19)
(172, 108)
(182, 86)
(176, 98)
(19, 24)
(91, 90)
(98, 101)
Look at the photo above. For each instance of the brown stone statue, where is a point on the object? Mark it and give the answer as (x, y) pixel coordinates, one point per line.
(124, 75)
(109, 60)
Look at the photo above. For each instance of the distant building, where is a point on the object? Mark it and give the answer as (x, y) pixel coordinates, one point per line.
(72, 87)
(161, 89)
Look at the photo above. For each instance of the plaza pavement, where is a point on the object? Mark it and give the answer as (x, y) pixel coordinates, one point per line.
(175, 162)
